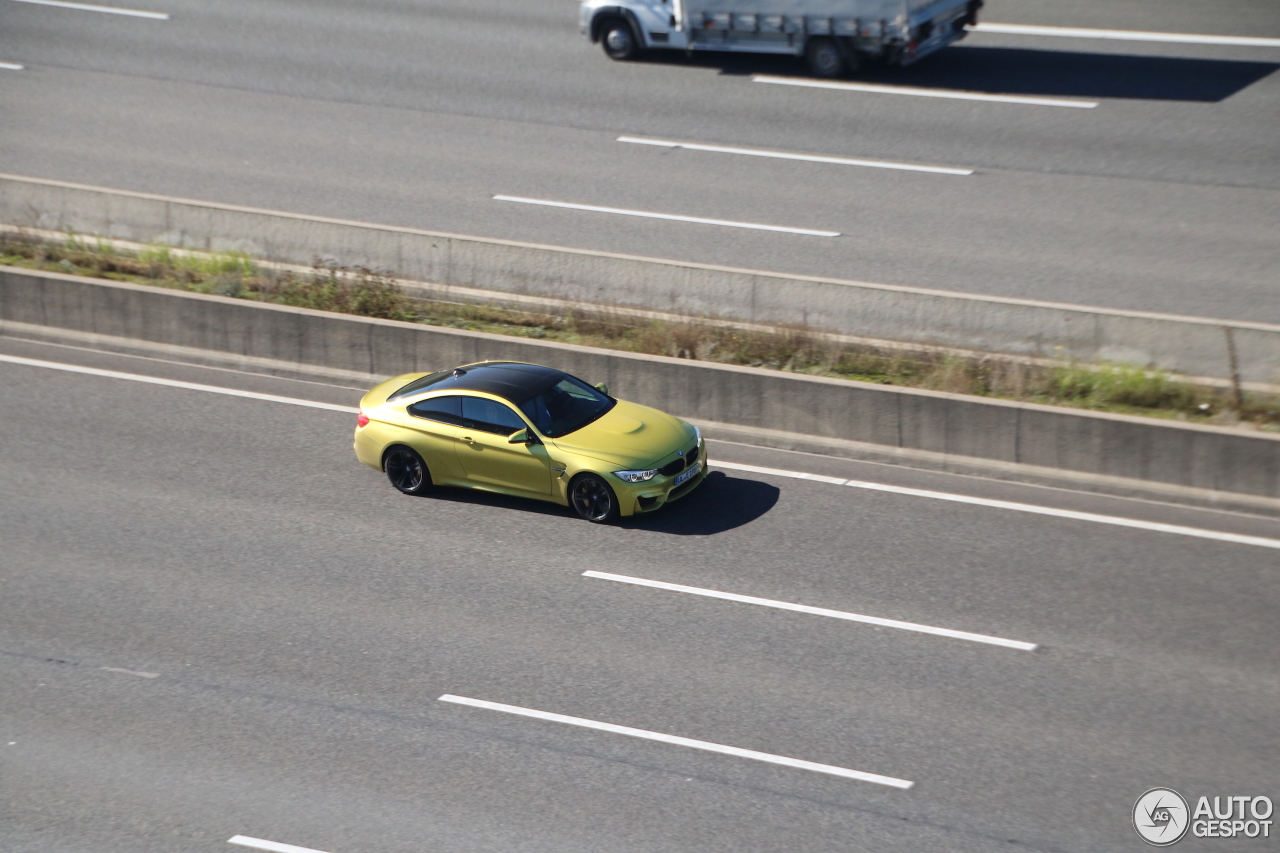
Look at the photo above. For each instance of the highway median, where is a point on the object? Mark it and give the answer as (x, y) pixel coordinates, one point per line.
(1121, 389)
(459, 268)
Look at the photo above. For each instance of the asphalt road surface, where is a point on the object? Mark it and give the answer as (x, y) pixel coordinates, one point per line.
(1162, 196)
(215, 622)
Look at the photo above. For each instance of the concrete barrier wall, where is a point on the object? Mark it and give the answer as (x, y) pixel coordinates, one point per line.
(1021, 327)
(1198, 457)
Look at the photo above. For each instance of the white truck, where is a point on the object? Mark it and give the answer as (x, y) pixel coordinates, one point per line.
(834, 36)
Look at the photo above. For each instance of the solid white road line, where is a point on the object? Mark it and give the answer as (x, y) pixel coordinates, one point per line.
(88, 7)
(174, 383)
(1124, 35)
(274, 846)
(130, 672)
(818, 611)
(924, 93)
(9, 66)
(682, 741)
(785, 155)
(648, 215)
(1118, 521)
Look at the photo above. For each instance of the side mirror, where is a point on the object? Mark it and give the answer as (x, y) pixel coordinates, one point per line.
(602, 388)
(523, 436)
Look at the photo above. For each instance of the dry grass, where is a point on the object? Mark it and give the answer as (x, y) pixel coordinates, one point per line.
(1114, 388)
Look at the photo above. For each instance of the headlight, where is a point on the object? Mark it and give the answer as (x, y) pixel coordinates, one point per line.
(635, 476)
(697, 435)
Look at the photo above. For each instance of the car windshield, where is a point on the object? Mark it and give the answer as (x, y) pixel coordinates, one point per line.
(567, 406)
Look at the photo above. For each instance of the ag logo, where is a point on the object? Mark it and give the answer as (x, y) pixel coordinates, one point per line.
(1161, 817)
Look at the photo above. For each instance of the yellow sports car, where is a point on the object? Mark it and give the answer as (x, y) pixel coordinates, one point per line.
(521, 429)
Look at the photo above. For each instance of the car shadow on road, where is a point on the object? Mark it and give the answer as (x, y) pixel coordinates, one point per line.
(1024, 71)
(478, 497)
(721, 503)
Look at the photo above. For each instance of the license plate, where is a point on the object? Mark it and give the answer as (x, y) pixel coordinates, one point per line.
(686, 476)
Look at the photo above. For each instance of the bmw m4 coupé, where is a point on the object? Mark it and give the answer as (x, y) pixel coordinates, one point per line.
(521, 429)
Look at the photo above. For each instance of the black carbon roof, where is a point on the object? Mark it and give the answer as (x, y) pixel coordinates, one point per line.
(510, 380)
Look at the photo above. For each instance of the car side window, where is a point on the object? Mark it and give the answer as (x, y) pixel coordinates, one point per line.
(490, 416)
(447, 410)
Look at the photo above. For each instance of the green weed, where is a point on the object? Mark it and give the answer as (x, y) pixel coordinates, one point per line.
(1117, 388)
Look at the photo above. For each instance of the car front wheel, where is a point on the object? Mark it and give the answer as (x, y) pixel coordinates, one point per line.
(406, 470)
(592, 499)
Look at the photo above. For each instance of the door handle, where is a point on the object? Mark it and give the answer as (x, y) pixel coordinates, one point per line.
(468, 439)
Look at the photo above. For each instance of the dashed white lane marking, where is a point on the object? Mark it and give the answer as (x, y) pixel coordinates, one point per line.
(274, 846)
(1124, 35)
(174, 383)
(682, 741)
(671, 216)
(1240, 539)
(11, 66)
(787, 155)
(89, 7)
(818, 611)
(130, 672)
(1118, 521)
(924, 93)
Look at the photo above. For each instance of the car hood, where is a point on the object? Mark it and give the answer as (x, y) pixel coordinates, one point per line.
(629, 434)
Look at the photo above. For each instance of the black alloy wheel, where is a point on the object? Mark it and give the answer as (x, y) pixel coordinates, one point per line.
(824, 58)
(618, 39)
(406, 470)
(592, 499)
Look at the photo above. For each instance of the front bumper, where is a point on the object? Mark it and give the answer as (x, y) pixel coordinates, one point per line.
(640, 498)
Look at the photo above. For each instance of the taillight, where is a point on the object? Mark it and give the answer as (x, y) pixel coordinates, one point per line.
(362, 420)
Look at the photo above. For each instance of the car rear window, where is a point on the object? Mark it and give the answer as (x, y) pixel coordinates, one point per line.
(421, 384)
(446, 410)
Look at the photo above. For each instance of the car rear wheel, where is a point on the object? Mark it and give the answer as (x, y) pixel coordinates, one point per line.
(406, 470)
(592, 499)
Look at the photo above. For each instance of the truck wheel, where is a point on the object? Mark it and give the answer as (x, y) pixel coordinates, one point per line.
(618, 39)
(824, 58)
